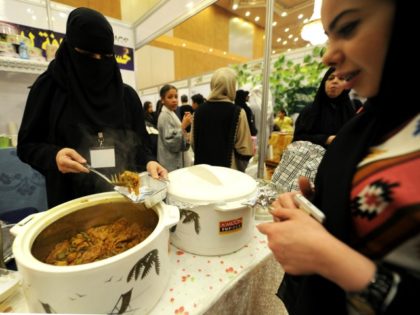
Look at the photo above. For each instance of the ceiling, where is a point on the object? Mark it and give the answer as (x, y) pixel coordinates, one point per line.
(286, 22)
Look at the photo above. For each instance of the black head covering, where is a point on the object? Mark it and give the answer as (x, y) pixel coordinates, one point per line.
(94, 86)
(389, 109)
(240, 98)
(325, 116)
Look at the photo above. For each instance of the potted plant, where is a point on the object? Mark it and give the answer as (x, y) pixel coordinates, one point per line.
(293, 84)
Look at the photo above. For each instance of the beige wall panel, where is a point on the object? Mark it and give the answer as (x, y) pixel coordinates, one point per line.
(154, 65)
(132, 10)
(210, 27)
(111, 8)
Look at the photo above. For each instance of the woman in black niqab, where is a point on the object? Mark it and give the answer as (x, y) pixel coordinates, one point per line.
(325, 116)
(79, 104)
(94, 84)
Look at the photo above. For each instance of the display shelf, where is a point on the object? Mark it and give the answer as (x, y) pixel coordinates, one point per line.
(22, 65)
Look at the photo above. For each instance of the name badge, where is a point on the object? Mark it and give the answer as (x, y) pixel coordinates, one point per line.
(102, 157)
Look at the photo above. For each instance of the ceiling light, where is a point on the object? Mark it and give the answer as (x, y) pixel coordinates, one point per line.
(273, 51)
(285, 42)
(283, 14)
(300, 16)
(290, 36)
(257, 18)
(305, 21)
(247, 13)
(279, 40)
(274, 23)
(235, 6)
(287, 29)
(296, 39)
(313, 31)
(210, 49)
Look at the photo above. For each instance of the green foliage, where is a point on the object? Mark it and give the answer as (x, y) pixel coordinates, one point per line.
(293, 85)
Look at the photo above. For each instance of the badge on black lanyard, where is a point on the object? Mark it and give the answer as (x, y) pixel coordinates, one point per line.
(102, 156)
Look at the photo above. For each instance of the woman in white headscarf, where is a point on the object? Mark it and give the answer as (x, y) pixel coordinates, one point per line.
(220, 130)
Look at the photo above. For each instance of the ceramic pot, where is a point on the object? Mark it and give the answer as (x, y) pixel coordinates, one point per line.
(131, 281)
(214, 219)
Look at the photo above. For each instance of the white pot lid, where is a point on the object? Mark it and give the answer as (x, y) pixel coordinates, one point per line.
(212, 184)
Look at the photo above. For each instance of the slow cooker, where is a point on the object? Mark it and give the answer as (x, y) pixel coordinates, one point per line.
(214, 217)
(131, 281)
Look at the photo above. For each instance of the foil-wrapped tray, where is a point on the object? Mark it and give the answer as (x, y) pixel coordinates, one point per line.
(152, 191)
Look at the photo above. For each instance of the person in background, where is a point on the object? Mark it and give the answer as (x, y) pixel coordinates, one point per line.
(79, 106)
(255, 103)
(240, 100)
(151, 125)
(365, 258)
(173, 138)
(220, 131)
(185, 108)
(197, 101)
(149, 114)
(283, 122)
(320, 121)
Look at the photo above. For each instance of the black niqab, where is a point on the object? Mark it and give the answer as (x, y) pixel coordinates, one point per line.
(95, 85)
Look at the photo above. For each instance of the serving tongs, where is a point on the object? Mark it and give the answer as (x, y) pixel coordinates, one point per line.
(152, 190)
(114, 180)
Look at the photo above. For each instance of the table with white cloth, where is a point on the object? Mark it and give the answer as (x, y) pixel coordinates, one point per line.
(244, 282)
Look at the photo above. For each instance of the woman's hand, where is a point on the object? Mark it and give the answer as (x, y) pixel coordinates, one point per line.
(156, 170)
(295, 237)
(69, 161)
(186, 120)
(304, 246)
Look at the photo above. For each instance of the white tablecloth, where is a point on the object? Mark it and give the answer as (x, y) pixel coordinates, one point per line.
(244, 282)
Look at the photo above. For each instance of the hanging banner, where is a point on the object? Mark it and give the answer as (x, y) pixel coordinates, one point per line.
(46, 42)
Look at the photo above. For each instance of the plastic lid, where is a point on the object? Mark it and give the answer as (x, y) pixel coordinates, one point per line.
(213, 184)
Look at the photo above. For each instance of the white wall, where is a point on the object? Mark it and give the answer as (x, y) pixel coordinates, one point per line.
(154, 66)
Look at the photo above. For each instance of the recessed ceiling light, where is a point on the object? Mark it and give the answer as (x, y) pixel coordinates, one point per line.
(289, 49)
(183, 44)
(283, 14)
(273, 51)
(235, 6)
(274, 23)
(279, 40)
(287, 29)
(300, 16)
(257, 18)
(285, 42)
(296, 39)
(247, 13)
(290, 36)
(306, 20)
(210, 49)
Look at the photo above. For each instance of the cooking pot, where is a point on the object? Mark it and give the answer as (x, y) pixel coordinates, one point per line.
(131, 281)
(214, 219)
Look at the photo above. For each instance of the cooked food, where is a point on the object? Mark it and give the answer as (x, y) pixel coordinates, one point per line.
(131, 180)
(97, 243)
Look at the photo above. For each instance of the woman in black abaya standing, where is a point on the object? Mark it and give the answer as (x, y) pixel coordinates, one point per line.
(79, 111)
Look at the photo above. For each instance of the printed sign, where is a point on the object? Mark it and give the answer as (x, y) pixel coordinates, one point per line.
(231, 226)
(42, 38)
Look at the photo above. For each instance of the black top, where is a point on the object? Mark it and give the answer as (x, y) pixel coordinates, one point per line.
(73, 100)
(324, 117)
(240, 100)
(214, 133)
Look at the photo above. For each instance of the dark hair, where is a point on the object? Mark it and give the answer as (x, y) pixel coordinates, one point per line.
(282, 110)
(184, 98)
(165, 89)
(146, 106)
(198, 98)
